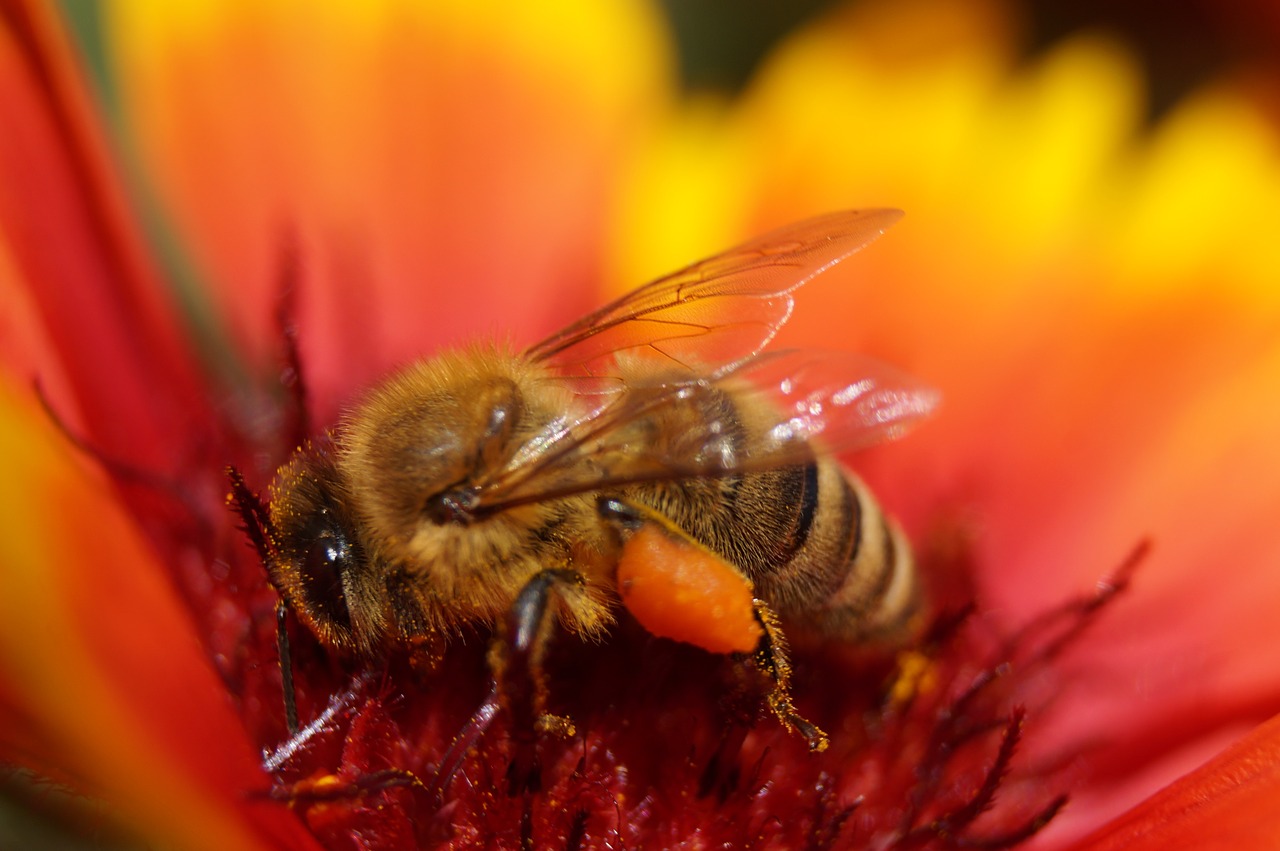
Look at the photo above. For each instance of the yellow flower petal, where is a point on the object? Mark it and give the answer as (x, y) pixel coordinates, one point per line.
(1203, 200)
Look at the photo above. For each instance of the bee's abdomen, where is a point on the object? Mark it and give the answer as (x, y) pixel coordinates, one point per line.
(846, 570)
(810, 535)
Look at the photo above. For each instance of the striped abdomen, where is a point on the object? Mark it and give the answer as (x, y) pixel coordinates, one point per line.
(809, 535)
(811, 538)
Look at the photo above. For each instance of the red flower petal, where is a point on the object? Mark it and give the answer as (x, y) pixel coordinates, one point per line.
(1229, 802)
(76, 262)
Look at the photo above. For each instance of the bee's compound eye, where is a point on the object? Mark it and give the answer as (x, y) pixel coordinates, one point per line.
(327, 557)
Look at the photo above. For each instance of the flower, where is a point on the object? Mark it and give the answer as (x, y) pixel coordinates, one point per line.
(1093, 299)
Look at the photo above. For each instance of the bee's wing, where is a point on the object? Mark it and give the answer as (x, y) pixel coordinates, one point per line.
(832, 402)
(802, 404)
(717, 312)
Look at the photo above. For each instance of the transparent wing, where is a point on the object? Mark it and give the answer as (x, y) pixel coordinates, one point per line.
(834, 401)
(717, 312)
(770, 411)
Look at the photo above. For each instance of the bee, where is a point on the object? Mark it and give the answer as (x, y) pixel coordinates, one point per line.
(651, 457)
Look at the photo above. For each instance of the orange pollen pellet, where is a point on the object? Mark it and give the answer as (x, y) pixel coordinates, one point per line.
(677, 589)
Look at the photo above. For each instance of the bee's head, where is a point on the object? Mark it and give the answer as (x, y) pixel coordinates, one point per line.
(420, 449)
(320, 565)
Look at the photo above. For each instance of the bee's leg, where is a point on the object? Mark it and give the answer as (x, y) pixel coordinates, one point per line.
(771, 657)
(678, 588)
(286, 668)
(516, 661)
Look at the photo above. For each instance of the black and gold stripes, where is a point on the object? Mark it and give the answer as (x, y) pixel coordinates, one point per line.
(810, 536)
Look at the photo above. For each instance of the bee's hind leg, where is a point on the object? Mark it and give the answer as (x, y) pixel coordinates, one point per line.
(678, 588)
(516, 661)
(771, 658)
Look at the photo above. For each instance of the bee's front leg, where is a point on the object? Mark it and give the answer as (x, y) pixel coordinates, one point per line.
(516, 661)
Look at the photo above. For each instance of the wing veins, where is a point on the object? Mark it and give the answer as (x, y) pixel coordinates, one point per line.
(692, 329)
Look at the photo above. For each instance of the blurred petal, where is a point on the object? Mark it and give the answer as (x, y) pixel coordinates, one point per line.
(1227, 803)
(105, 683)
(430, 157)
(1201, 203)
(95, 326)
(1095, 305)
(1099, 311)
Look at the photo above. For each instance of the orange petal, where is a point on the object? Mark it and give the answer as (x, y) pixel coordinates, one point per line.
(103, 684)
(447, 169)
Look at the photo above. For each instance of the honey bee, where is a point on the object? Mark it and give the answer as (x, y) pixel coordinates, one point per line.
(650, 454)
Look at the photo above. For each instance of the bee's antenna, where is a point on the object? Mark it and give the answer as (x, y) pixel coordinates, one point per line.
(254, 519)
(256, 523)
